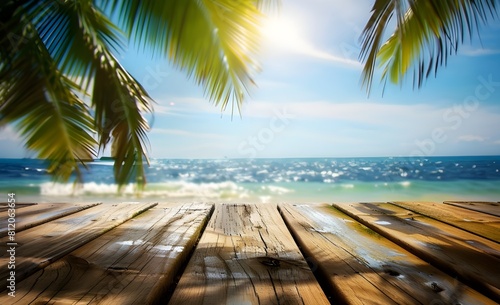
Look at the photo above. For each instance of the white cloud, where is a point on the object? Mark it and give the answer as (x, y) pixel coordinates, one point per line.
(471, 138)
(319, 54)
(272, 84)
(186, 106)
(164, 109)
(497, 142)
(479, 52)
(9, 134)
(186, 133)
(330, 128)
(357, 111)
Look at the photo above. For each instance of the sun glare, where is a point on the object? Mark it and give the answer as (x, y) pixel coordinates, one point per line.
(283, 33)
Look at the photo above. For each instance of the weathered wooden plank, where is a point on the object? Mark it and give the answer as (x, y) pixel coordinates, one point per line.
(135, 263)
(474, 259)
(492, 208)
(35, 215)
(363, 267)
(487, 226)
(39, 246)
(247, 256)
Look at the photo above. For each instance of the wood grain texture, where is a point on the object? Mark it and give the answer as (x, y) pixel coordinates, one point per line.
(363, 267)
(473, 259)
(39, 246)
(34, 215)
(247, 256)
(135, 263)
(485, 225)
(492, 208)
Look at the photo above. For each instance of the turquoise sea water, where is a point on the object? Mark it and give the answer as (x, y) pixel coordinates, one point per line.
(305, 180)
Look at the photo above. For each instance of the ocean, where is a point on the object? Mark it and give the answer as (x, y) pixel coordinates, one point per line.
(300, 180)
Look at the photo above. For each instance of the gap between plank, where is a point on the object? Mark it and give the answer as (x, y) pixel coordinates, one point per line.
(330, 291)
(169, 292)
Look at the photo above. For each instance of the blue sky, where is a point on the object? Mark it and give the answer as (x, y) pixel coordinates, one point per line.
(309, 103)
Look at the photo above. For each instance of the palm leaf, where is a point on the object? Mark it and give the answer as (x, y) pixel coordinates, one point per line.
(73, 40)
(118, 99)
(213, 41)
(426, 33)
(72, 70)
(41, 102)
(119, 102)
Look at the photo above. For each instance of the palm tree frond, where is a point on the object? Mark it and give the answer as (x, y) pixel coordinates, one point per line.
(426, 33)
(40, 101)
(54, 54)
(118, 99)
(372, 37)
(68, 28)
(73, 39)
(213, 41)
(119, 102)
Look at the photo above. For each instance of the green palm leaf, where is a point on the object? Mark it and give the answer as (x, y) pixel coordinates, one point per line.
(118, 99)
(41, 101)
(62, 86)
(79, 37)
(213, 41)
(426, 33)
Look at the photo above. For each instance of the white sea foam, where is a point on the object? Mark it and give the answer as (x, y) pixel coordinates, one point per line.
(176, 189)
(107, 163)
(262, 180)
(276, 189)
(405, 183)
(90, 188)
